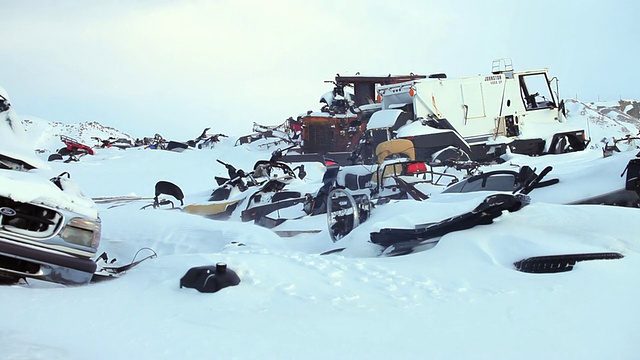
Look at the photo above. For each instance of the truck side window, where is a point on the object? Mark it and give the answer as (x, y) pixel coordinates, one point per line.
(535, 91)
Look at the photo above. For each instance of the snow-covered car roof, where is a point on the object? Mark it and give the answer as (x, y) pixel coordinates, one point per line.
(14, 143)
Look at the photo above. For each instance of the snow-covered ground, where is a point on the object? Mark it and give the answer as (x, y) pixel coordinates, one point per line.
(463, 299)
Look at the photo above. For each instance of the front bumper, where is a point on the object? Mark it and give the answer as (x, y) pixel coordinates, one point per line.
(22, 260)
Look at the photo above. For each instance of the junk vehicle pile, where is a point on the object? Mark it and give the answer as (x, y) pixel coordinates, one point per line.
(483, 117)
(398, 139)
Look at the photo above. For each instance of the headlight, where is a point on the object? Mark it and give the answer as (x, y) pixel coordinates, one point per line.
(84, 232)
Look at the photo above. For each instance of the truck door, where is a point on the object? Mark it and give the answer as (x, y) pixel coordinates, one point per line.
(473, 100)
(536, 92)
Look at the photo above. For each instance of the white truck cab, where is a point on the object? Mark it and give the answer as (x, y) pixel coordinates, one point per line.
(516, 109)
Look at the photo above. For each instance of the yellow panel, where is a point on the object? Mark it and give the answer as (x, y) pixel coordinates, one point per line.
(397, 146)
(209, 209)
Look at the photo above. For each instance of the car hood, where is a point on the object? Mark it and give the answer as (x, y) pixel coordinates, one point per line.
(35, 187)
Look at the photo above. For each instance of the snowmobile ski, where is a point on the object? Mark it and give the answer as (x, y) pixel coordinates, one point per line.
(108, 272)
(411, 190)
(333, 251)
(489, 209)
(292, 233)
(560, 263)
(259, 211)
(409, 247)
(119, 198)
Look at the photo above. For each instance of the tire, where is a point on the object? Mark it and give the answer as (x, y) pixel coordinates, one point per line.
(344, 212)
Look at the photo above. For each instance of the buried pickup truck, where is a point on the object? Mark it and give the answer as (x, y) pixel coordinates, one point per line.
(48, 229)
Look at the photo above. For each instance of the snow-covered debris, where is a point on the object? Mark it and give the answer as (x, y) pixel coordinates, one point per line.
(45, 135)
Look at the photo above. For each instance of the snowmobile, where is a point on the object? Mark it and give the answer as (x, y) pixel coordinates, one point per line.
(168, 188)
(580, 183)
(403, 241)
(260, 207)
(628, 140)
(500, 180)
(267, 176)
(393, 179)
(399, 241)
(399, 181)
(161, 188)
(158, 142)
(273, 135)
(73, 148)
(205, 140)
(511, 194)
(346, 189)
(120, 143)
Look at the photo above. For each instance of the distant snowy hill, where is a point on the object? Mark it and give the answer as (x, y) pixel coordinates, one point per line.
(604, 121)
(624, 108)
(45, 135)
(623, 111)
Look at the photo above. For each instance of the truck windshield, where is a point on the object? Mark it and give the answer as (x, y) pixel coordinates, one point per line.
(536, 92)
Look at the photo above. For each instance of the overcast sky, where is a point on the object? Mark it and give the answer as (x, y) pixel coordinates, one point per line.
(175, 67)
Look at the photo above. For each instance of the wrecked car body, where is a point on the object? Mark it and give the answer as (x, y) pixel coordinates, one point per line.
(49, 230)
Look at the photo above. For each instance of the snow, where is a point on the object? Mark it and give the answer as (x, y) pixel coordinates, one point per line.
(463, 299)
(34, 186)
(416, 128)
(383, 119)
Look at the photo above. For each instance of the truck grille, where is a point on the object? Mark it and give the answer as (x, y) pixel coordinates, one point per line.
(28, 219)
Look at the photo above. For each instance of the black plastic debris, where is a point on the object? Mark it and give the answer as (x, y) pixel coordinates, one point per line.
(209, 279)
